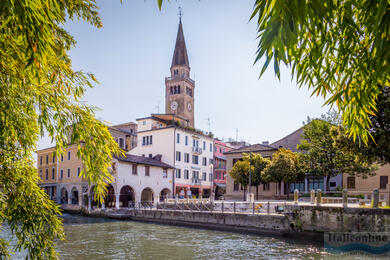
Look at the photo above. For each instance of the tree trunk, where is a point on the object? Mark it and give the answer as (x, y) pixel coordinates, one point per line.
(280, 189)
(257, 192)
(327, 183)
(244, 193)
(288, 191)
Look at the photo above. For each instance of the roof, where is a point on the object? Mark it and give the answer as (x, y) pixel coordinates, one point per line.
(142, 160)
(253, 148)
(290, 141)
(180, 56)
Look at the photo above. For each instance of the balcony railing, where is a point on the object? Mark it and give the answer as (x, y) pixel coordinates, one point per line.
(196, 181)
(197, 150)
(180, 77)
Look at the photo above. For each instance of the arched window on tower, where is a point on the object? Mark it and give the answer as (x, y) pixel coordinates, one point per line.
(178, 89)
(174, 90)
(171, 91)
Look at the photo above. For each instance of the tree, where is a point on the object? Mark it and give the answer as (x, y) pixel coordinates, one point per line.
(339, 50)
(283, 168)
(259, 164)
(240, 173)
(40, 92)
(328, 154)
(378, 148)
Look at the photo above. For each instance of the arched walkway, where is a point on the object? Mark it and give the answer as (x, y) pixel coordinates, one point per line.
(126, 197)
(165, 193)
(64, 196)
(74, 196)
(109, 201)
(147, 196)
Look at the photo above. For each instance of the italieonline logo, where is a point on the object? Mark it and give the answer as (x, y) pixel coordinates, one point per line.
(372, 243)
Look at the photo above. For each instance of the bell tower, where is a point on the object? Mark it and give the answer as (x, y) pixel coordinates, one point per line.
(179, 87)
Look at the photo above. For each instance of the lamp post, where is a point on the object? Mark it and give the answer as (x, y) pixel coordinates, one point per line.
(250, 177)
(211, 166)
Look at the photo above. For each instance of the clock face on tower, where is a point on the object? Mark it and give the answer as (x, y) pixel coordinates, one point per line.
(174, 105)
(189, 106)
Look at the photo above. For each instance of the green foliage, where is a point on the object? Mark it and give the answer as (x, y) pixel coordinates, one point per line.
(40, 92)
(240, 172)
(338, 49)
(259, 163)
(284, 167)
(326, 152)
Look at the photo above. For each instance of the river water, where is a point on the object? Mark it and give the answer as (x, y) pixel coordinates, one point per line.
(94, 238)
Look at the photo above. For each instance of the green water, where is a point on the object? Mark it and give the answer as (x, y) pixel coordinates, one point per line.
(93, 238)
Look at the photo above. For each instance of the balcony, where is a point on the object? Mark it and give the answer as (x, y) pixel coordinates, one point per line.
(179, 77)
(196, 181)
(197, 150)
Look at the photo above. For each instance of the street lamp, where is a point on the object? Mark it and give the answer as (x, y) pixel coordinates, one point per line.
(211, 166)
(250, 176)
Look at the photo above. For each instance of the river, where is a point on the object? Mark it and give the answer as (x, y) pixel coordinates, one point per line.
(94, 238)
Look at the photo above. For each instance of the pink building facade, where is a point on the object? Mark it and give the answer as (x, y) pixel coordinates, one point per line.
(220, 167)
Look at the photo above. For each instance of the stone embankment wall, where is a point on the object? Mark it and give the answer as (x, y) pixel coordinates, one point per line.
(308, 222)
(336, 219)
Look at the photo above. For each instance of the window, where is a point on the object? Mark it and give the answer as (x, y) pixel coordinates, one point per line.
(195, 159)
(204, 161)
(40, 174)
(266, 186)
(300, 186)
(195, 175)
(178, 138)
(40, 160)
(316, 183)
(68, 173)
(147, 171)
(47, 174)
(165, 173)
(53, 173)
(78, 171)
(47, 159)
(211, 161)
(204, 176)
(186, 174)
(211, 147)
(351, 182)
(134, 169)
(332, 184)
(144, 122)
(121, 143)
(62, 157)
(186, 157)
(62, 174)
(68, 156)
(150, 155)
(383, 181)
(54, 158)
(146, 140)
(178, 156)
(204, 145)
(178, 173)
(186, 140)
(235, 186)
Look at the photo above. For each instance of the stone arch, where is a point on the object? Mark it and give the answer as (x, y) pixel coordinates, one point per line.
(109, 200)
(64, 196)
(74, 195)
(127, 196)
(147, 195)
(164, 193)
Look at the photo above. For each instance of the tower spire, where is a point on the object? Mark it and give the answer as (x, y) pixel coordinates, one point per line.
(180, 56)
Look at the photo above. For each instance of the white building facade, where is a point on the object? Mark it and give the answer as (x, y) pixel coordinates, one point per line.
(189, 151)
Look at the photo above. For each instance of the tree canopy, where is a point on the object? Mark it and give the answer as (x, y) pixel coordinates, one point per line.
(338, 49)
(327, 151)
(40, 92)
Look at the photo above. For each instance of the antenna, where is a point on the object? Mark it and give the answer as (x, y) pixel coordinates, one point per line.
(236, 134)
(209, 123)
(158, 107)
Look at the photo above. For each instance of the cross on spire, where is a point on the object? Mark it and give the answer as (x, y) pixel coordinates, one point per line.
(180, 13)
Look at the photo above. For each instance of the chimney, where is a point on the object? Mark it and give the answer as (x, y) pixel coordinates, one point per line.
(265, 143)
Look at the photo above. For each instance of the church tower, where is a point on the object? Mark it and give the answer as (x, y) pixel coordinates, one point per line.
(179, 87)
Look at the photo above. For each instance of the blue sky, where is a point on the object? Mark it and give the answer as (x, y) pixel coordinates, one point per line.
(131, 56)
